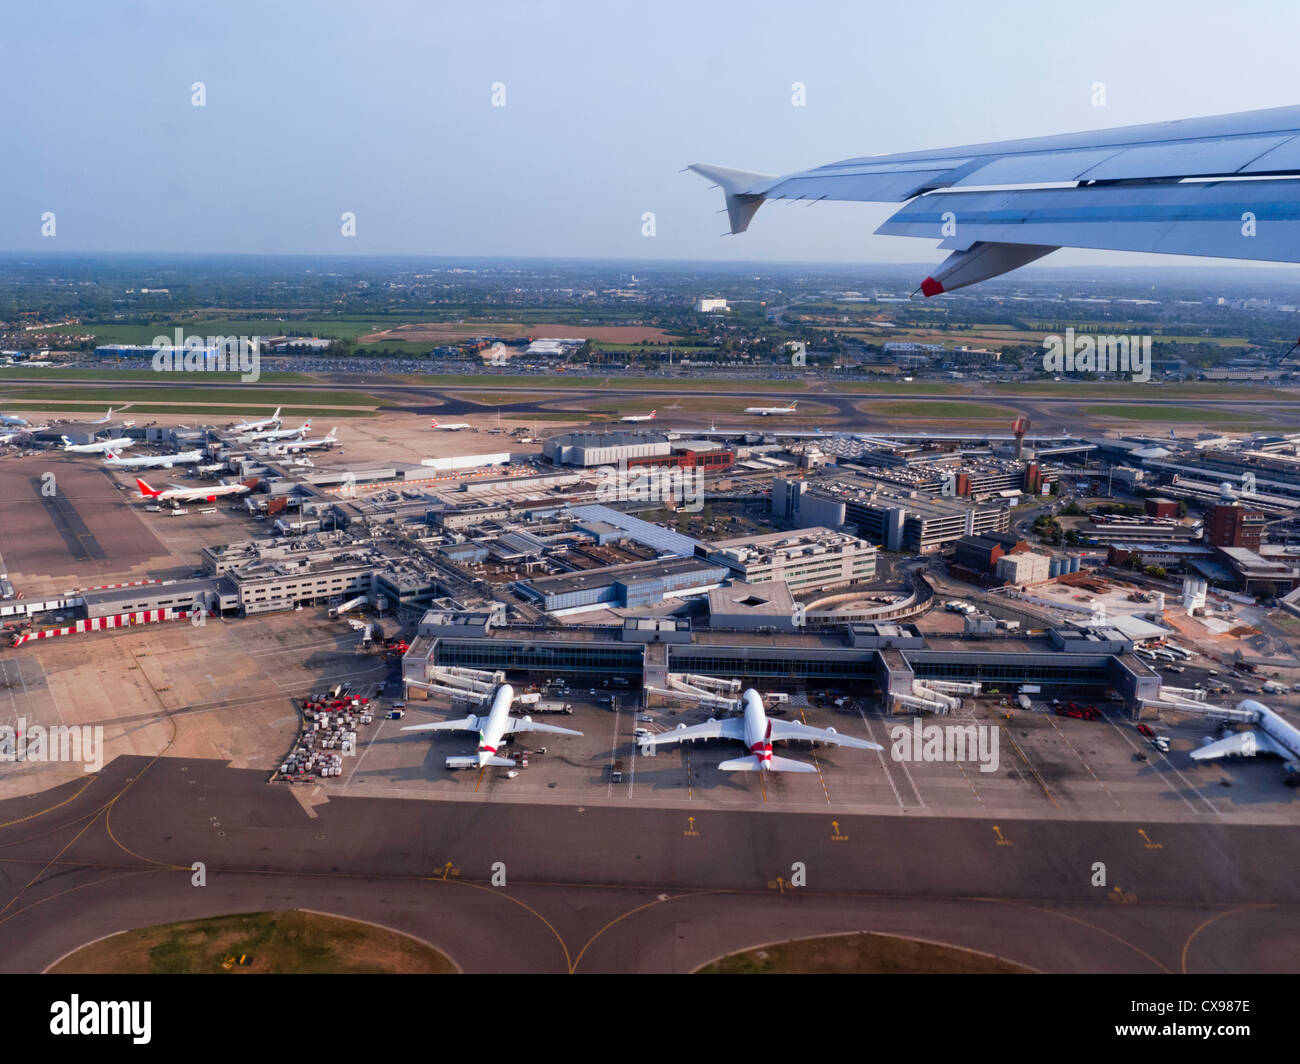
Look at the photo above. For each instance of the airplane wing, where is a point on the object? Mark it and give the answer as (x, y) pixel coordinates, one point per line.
(733, 728)
(784, 729)
(522, 724)
(1146, 188)
(469, 723)
(1246, 744)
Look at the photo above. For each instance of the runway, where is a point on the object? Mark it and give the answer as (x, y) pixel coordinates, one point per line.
(616, 889)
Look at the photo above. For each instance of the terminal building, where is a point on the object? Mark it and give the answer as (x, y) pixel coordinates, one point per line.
(880, 660)
(622, 586)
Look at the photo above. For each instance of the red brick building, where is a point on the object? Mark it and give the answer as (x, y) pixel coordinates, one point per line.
(1233, 525)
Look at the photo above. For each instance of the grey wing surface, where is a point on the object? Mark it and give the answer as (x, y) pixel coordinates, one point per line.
(1246, 744)
(710, 729)
(1126, 193)
(521, 725)
(784, 729)
(462, 724)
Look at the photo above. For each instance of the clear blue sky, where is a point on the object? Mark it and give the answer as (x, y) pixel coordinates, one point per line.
(384, 108)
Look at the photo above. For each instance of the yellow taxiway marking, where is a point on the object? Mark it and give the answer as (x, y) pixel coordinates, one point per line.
(1002, 840)
(58, 805)
(479, 782)
(816, 763)
(836, 835)
(690, 831)
(1146, 839)
(1032, 771)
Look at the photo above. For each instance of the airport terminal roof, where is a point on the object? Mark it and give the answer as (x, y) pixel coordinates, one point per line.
(664, 540)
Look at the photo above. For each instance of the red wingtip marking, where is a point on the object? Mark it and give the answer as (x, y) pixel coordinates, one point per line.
(931, 287)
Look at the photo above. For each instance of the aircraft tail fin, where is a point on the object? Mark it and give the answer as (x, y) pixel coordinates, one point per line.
(145, 489)
(753, 763)
(737, 185)
(473, 762)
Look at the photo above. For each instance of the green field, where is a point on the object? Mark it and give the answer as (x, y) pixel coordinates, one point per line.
(294, 942)
(644, 384)
(1122, 389)
(902, 388)
(1183, 414)
(861, 953)
(343, 328)
(200, 394)
(941, 409)
(695, 404)
(200, 412)
(13, 373)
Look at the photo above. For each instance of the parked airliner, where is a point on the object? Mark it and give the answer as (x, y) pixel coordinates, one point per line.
(491, 730)
(758, 732)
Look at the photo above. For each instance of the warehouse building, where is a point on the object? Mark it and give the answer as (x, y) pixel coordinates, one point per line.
(981, 553)
(1025, 567)
(891, 517)
(605, 448)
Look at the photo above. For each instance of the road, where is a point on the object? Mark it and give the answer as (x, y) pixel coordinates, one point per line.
(618, 889)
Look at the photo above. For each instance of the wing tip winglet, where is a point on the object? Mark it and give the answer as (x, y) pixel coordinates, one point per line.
(738, 187)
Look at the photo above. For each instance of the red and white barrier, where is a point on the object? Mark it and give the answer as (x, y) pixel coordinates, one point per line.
(110, 587)
(101, 624)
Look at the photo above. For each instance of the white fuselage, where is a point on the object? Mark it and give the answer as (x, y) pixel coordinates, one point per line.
(766, 411)
(154, 461)
(492, 728)
(283, 434)
(302, 445)
(254, 426)
(757, 731)
(1282, 732)
(101, 447)
(638, 417)
(179, 495)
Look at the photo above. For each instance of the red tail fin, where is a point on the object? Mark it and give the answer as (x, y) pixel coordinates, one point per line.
(145, 489)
